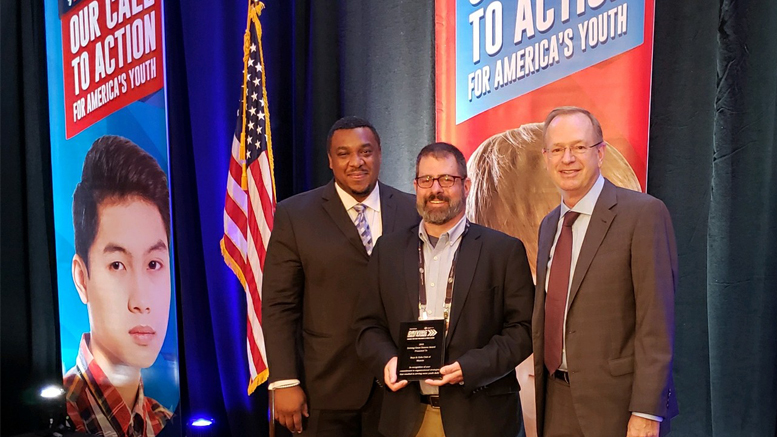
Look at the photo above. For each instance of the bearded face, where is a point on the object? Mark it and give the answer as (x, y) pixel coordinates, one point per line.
(438, 208)
(438, 204)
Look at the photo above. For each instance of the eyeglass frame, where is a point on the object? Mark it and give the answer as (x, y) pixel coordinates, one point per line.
(577, 150)
(438, 179)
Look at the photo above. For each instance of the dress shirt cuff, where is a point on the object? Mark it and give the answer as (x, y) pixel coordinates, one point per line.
(283, 383)
(649, 416)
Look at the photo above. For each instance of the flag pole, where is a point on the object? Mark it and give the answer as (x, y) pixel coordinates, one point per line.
(271, 394)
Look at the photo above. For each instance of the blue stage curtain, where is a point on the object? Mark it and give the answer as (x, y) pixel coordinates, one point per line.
(204, 60)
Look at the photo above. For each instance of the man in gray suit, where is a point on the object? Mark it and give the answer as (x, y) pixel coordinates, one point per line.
(603, 324)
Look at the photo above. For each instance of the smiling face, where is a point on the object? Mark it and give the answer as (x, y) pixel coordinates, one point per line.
(354, 157)
(573, 175)
(438, 205)
(127, 286)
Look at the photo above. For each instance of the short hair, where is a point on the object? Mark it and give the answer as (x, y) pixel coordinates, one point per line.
(349, 122)
(511, 191)
(115, 169)
(566, 110)
(441, 150)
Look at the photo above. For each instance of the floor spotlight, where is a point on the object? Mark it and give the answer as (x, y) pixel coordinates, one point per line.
(52, 403)
(202, 426)
(202, 422)
(51, 392)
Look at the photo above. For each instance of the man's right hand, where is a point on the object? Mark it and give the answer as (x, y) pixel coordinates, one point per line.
(390, 375)
(290, 405)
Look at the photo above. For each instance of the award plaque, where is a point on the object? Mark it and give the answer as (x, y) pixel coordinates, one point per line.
(421, 349)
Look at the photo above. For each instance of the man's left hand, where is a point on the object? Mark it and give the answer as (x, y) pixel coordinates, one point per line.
(451, 374)
(641, 427)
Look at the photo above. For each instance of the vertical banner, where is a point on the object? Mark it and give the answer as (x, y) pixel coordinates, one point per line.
(110, 180)
(502, 66)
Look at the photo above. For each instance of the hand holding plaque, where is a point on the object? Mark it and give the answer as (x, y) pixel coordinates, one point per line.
(421, 349)
(451, 374)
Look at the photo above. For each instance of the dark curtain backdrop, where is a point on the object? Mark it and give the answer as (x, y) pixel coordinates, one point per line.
(713, 161)
(28, 317)
(680, 173)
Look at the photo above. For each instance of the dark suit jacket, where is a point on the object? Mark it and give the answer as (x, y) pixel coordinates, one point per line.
(620, 321)
(316, 266)
(489, 331)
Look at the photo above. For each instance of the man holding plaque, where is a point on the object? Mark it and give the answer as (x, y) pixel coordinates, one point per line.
(449, 308)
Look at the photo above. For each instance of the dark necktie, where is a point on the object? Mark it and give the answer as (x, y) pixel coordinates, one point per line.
(556, 298)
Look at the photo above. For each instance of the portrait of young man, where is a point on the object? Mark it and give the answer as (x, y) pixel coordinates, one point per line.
(121, 270)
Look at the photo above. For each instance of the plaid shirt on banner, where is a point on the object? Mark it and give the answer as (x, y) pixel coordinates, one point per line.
(95, 406)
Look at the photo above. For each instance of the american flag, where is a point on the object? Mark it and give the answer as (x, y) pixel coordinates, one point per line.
(250, 199)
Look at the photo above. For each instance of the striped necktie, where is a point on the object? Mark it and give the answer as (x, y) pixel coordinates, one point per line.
(363, 227)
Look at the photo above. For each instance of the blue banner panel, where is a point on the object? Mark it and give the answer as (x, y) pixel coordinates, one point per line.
(112, 214)
(505, 49)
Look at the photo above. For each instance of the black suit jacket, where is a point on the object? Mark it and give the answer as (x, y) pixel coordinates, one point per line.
(489, 331)
(316, 266)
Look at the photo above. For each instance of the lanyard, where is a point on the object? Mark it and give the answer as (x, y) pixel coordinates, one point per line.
(449, 283)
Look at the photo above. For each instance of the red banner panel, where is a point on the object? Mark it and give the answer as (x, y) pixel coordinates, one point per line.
(112, 56)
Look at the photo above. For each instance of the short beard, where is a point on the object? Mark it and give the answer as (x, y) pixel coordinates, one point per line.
(364, 192)
(439, 216)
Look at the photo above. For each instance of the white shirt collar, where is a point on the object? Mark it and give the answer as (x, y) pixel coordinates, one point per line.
(588, 202)
(372, 201)
(453, 233)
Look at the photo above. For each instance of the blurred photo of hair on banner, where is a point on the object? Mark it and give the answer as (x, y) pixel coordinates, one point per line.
(502, 66)
(112, 219)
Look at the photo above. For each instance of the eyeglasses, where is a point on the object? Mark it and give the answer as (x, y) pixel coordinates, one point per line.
(446, 180)
(577, 149)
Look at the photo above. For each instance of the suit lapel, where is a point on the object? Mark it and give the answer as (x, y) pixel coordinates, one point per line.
(601, 219)
(547, 234)
(388, 209)
(411, 271)
(334, 207)
(469, 252)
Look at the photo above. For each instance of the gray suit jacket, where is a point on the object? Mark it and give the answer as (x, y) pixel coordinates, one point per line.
(316, 266)
(620, 320)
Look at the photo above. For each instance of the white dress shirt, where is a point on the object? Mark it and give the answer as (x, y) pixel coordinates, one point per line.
(371, 212)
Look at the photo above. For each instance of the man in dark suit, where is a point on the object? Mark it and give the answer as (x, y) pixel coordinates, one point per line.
(315, 268)
(487, 308)
(603, 323)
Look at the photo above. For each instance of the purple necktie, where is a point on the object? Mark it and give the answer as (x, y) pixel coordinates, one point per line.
(556, 298)
(363, 227)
